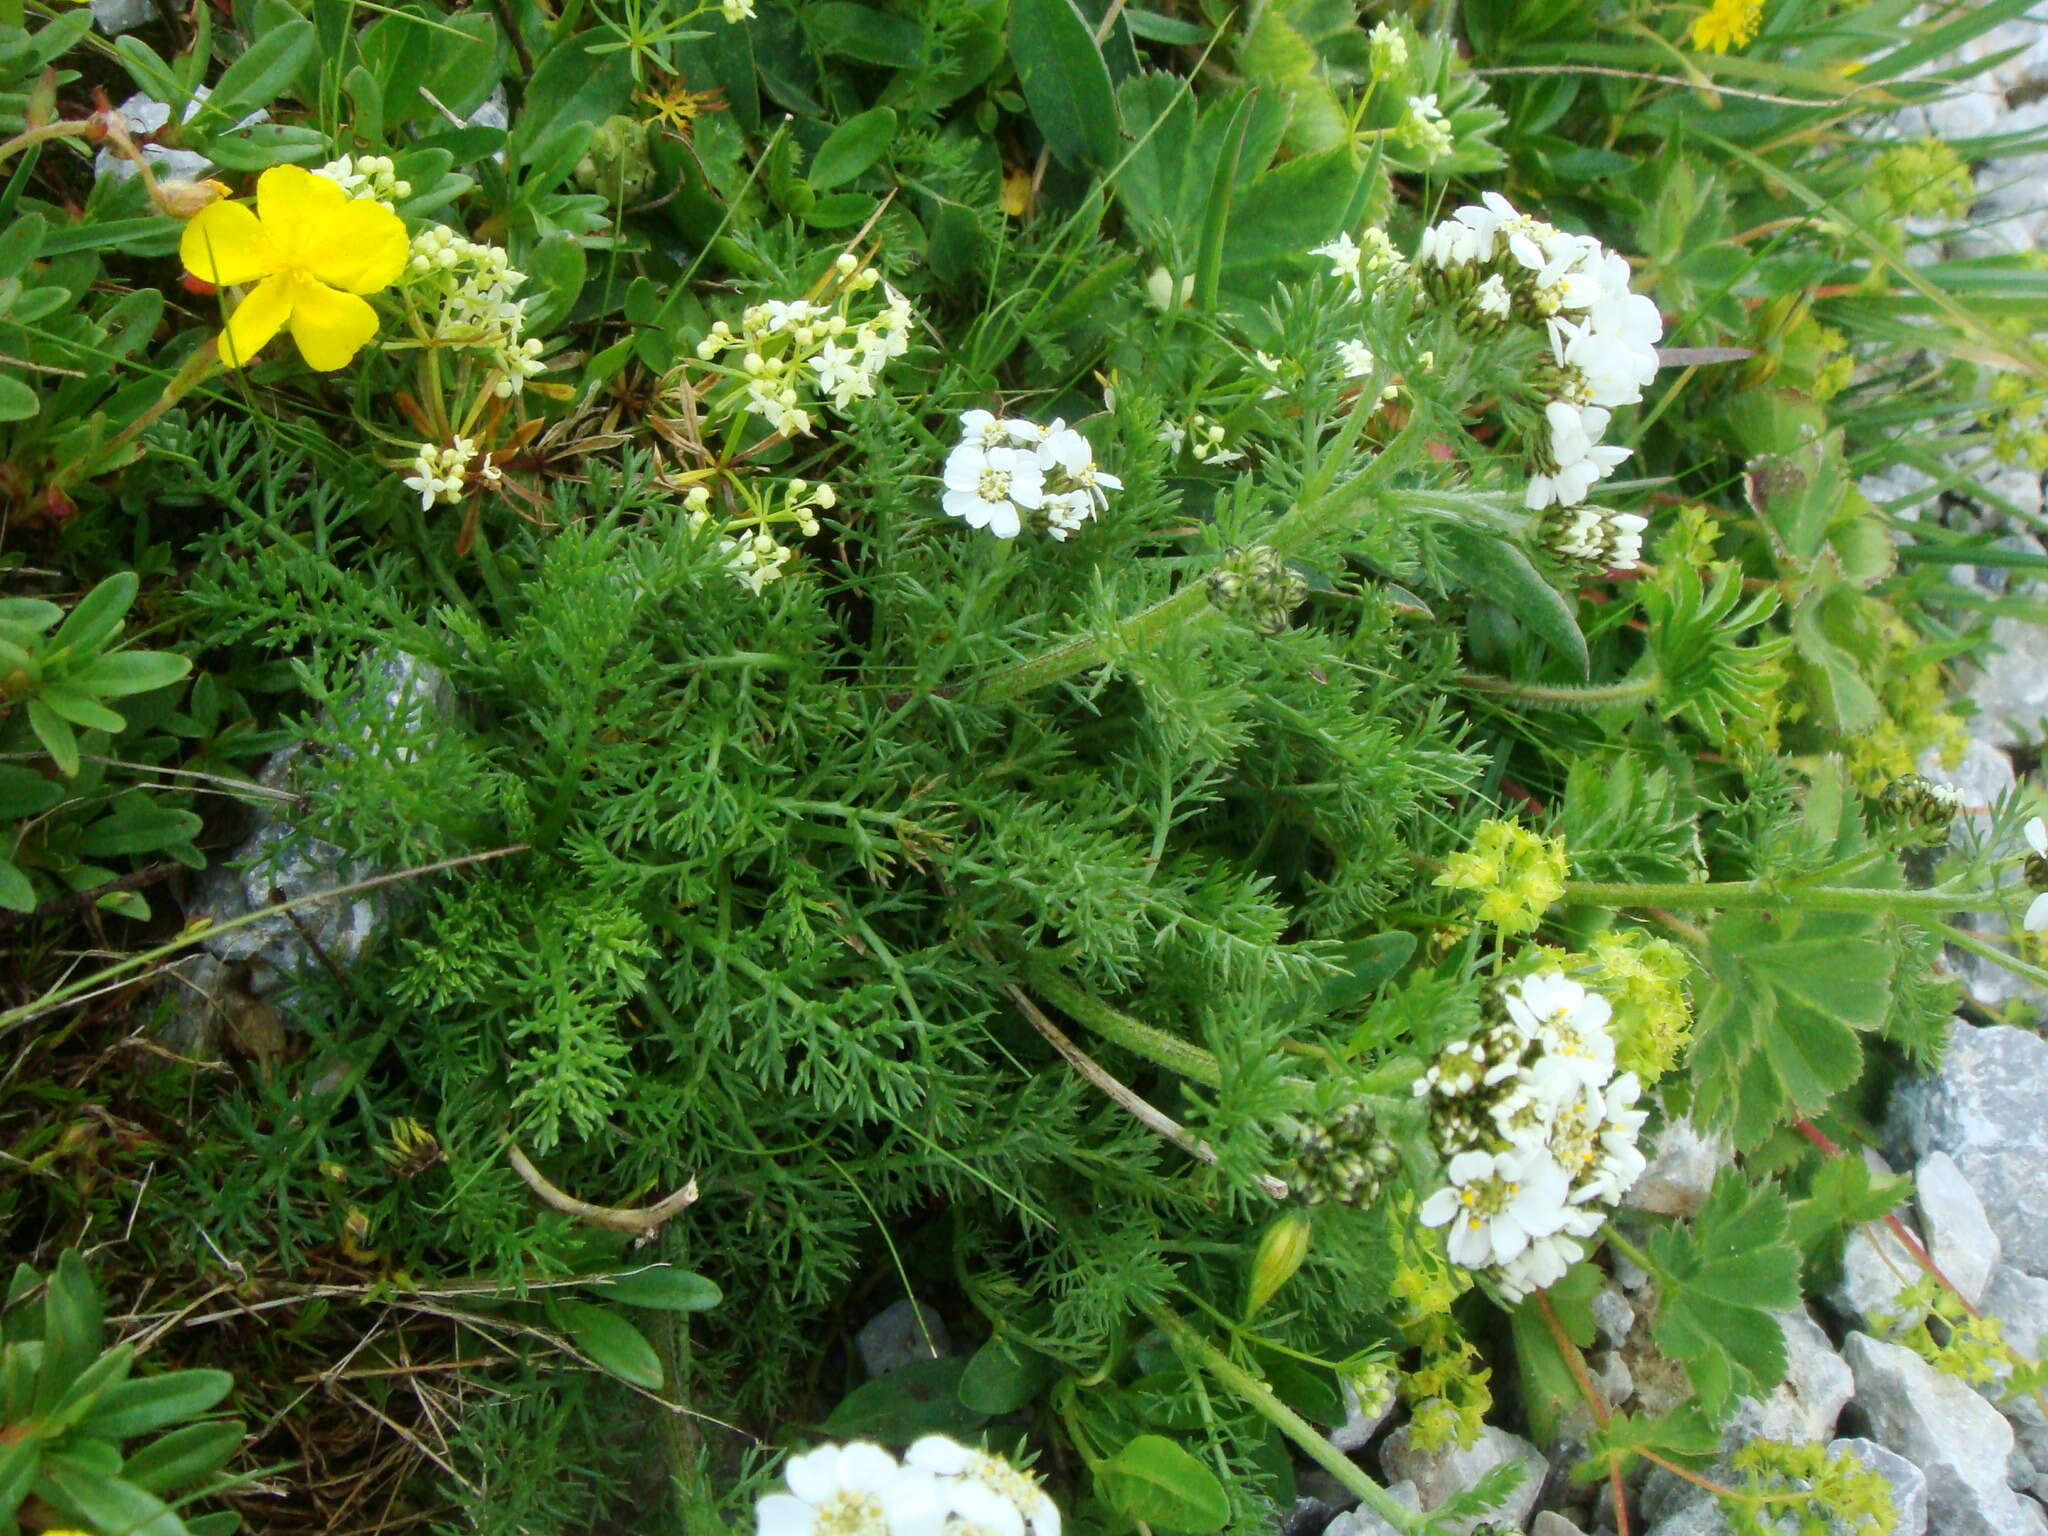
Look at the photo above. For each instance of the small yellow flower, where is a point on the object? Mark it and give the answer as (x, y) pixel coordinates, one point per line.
(1727, 24)
(311, 250)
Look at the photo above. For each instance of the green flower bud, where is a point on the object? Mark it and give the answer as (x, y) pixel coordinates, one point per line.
(1257, 586)
(1280, 1254)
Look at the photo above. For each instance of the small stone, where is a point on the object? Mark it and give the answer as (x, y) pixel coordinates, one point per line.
(2020, 1303)
(1612, 1376)
(114, 17)
(1908, 1482)
(1612, 1314)
(1631, 1277)
(1959, 1238)
(1956, 1438)
(1700, 1519)
(1551, 1523)
(893, 1339)
(1983, 1108)
(1440, 1473)
(2010, 688)
(1363, 1522)
(1680, 1173)
(1359, 1426)
(1876, 1266)
(1309, 1517)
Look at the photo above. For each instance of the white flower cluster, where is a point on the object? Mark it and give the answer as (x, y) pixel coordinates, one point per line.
(1205, 440)
(468, 288)
(1603, 339)
(371, 176)
(940, 1488)
(1426, 130)
(736, 10)
(1005, 470)
(1367, 262)
(753, 554)
(2037, 876)
(439, 474)
(790, 347)
(1537, 1132)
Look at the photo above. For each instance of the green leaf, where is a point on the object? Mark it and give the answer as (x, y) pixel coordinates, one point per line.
(920, 1398)
(56, 737)
(19, 1463)
(140, 1405)
(854, 145)
(17, 401)
(125, 672)
(612, 1343)
(1843, 1195)
(1154, 1480)
(110, 1503)
(81, 709)
(1065, 81)
(24, 792)
(662, 1289)
(255, 79)
(555, 270)
(137, 824)
(183, 1456)
(97, 617)
(17, 894)
(1493, 568)
(71, 1329)
(1720, 1279)
(1002, 1377)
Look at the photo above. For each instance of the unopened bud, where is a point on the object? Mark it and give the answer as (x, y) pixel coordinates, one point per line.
(182, 199)
(1280, 1253)
(1918, 810)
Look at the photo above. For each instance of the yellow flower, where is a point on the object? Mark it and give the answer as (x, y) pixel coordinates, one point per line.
(311, 250)
(1727, 24)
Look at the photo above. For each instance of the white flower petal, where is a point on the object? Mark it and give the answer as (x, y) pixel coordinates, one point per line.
(2037, 915)
(781, 1514)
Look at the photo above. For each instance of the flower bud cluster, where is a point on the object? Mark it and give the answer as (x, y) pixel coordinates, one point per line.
(1344, 1160)
(754, 555)
(370, 176)
(1503, 266)
(1370, 262)
(1537, 1132)
(1206, 441)
(1425, 129)
(442, 474)
(1594, 536)
(1259, 587)
(466, 290)
(787, 352)
(1006, 471)
(1919, 810)
(940, 1488)
(1518, 875)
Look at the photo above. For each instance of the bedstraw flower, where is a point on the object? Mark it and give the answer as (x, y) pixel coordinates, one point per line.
(311, 252)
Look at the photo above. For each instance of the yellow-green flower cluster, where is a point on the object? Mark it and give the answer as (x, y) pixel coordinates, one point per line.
(1516, 874)
(1644, 978)
(1925, 178)
(1447, 1393)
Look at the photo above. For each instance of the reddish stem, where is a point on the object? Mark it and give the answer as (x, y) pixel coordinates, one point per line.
(1819, 1138)
(1595, 1404)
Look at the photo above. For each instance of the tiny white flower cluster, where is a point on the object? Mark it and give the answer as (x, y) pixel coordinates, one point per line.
(1389, 51)
(753, 554)
(789, 347)
(2037, 876)
(1537, 1132)
(371, 176)
(1005, 469)
(940, 1488)
(440, 474)
(736, 10)
(468, 287)
(1368, 262)
(1205, 440)
(1603, 339)
(1426, 130)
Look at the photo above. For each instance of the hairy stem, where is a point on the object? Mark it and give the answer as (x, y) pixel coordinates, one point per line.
(1726, 894)
(1962, 938)
(1283, 1418)
(1595, 1403)
(1630, 690)
(1135, 1036)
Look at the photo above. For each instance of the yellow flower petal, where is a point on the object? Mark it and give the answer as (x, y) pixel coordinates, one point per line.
(330, 326)
(292, 200)
(257, 318)
(360, 246)
(224, 244)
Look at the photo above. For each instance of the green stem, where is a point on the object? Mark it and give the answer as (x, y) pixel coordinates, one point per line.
(1135, 1036)
(1730, 894)
(1300, 528)
(1285, 1419)
(1962, 938)
(1629, 1250)
(1630, 690)
(29, 137)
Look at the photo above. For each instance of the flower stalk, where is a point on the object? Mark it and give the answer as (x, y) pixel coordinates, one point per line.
(1193, 1346)
(1759, 894)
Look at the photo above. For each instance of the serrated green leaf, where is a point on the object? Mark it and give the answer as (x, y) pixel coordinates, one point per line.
(1720, 1279)
(1154, 1480)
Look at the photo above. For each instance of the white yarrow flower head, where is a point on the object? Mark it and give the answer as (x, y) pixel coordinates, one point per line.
(983, 1492)
(1355, 358)
(1537, 1131)
(1006, 471)
(852, 1490)
(2036, 833)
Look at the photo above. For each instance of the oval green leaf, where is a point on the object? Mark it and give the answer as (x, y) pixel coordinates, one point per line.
(1065, 81)
(1155, 1481)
